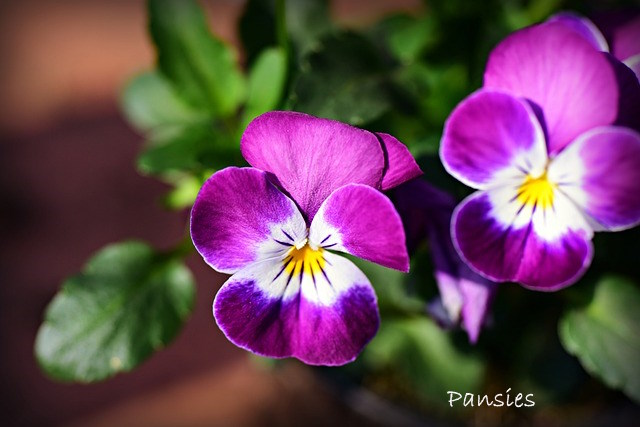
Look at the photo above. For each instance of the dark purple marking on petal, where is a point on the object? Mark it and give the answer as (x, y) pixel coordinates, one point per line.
(317, 335)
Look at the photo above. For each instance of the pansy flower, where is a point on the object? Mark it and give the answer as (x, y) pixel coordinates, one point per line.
(313, 190)
(537, 143)
(465, 296)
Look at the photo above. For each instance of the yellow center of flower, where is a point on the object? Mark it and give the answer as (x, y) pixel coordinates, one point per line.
(304, 260)
(536, 191)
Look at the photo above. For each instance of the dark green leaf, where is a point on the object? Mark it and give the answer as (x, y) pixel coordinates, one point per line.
(127, 303)
(190, 150)
(343, 80)
(406, 37)
(604, 335)
(202, 67)
(150, 102)
(266, 83)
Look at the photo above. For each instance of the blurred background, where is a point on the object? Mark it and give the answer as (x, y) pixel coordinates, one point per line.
(68, 186)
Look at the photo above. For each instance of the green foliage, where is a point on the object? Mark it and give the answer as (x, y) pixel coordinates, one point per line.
(603, 334)
(417, 353)
(202, 67)
(151, 103)
(266, 83)
(127, 303)
(344, 79)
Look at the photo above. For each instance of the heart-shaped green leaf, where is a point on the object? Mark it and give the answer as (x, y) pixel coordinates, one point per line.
(127, 303)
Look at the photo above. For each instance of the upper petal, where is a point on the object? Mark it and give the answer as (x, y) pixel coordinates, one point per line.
(489, 137)
(362, 221)
(400, 164)
(322, 318)
(600, 172)
(584, 27)
(310, 157)
(542, 248)
(240, 217)
(561, 72)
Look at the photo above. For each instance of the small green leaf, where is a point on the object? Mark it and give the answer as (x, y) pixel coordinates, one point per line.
(202, 67)
(344, 79)
(406, 36)
(604, 335)
(150, 102)
(266, 83)
(191, 150)
(127, 303)
(184, 194)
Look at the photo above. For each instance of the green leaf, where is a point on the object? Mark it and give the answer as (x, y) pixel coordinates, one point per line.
(406, 37)
(420, 355)
(184, 194)
(150, 102)
(344, 79)
(202, 67)
(266, 83)
(127, 303)
(604, 335)
(191, 150)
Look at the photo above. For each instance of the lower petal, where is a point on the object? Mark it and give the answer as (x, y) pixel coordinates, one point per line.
(322, 317)
(543, 249)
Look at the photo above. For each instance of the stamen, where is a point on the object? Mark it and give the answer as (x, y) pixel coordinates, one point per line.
(304, 261)
(536, 192)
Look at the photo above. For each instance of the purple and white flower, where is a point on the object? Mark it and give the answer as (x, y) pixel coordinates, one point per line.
(465, 296)
(313, 189)
(538, 144)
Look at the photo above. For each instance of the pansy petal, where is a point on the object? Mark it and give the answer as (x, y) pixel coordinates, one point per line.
(542, 248)
(573, 84)
(310, 157)
(489, 137)
(240, 217)
(362, 221)
(584, 27)
(322, 317)
(600, 172)
(625, 37)
(477, 294)
(400, 165)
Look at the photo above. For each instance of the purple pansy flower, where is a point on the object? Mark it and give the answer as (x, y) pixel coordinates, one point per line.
(312, 190)
(465, 297)
(537, 142)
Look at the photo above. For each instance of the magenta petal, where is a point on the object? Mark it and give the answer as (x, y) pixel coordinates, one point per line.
(326, 321)
(362, 221)
(240, 217)
(401, 166)
(557, 69)
(625, 38)
(310, 157)
(601, 173)
(544, 253)
(584, 27)
(490, 136)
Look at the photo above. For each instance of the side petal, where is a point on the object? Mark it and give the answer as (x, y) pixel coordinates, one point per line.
(492, 136)
(321, 318)
(543, 249)
(400, 166)
(362, 221)
(561, 72)
(239, 217)
(310, 157)
(600, 172)
(584, 27)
